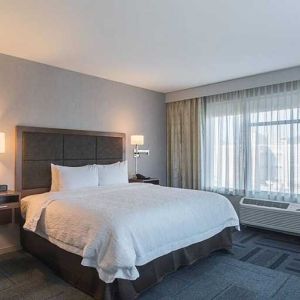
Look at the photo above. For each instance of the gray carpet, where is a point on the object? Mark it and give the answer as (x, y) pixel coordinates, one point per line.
(24, 277)
(222, 277)
(268, 249)
(262, 265)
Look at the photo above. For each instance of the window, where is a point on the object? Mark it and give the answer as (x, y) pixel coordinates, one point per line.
(274, 156)
(251, 143)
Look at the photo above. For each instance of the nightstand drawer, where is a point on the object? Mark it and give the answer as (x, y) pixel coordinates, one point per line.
(8, 199)
(9, 208)
(9, 221)
(5, 216)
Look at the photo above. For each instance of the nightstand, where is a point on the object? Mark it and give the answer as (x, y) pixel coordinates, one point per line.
(151, 180)
(9, 229)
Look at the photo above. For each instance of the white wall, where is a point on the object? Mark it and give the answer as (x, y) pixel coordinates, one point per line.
(274, 77)
(34, 94)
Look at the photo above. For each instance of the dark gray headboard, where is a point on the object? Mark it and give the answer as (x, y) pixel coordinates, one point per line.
(37, 148)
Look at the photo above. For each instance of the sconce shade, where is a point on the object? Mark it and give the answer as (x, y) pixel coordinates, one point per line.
(137, 140)
(2, 142)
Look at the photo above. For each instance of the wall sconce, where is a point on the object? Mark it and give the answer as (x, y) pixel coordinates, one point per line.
(3, 187)
(2, 142)
(138, 140)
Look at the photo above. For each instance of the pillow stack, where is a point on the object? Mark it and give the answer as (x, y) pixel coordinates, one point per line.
(71, 178)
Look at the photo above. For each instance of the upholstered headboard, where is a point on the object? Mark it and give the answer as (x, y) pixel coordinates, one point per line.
(37, 148)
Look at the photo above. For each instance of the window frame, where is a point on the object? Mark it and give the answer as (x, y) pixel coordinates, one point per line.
(292, 165)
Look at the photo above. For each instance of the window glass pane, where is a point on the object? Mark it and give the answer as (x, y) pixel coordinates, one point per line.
(270, 158)
(273, 168)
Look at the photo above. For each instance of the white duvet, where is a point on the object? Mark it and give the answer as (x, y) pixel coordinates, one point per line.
(117, 228)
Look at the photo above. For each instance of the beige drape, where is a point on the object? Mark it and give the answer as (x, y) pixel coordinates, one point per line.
(183, 143)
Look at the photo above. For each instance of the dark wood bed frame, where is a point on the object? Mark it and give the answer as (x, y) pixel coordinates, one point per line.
(36, 149)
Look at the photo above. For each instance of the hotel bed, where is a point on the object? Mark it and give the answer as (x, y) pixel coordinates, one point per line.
(112, 242)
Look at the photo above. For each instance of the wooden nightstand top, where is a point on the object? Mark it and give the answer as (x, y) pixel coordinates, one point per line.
(9, 193)
(150, 180)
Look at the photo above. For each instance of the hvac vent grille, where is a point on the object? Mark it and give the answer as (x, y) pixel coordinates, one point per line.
(266, 203)
(273, 219)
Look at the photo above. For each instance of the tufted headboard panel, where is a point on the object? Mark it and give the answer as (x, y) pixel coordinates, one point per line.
(37, 148)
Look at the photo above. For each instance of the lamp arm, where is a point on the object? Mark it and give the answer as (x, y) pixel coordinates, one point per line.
(146, 152)
(137, 153)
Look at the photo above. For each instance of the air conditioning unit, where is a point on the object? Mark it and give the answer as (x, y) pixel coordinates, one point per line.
(279, 216)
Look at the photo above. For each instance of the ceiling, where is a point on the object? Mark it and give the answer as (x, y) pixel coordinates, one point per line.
(162, 45)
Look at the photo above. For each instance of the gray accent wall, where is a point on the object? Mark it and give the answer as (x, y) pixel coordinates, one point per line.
(34, 94)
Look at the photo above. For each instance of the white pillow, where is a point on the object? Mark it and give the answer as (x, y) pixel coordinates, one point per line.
(113, 174)
(72, 178)
(54, 178)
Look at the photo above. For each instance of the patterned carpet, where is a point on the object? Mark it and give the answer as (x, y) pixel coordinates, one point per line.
(262, 265)
(268, 249)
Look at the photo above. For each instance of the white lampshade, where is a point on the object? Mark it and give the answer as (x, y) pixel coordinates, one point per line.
(137, 140)
(2, 142)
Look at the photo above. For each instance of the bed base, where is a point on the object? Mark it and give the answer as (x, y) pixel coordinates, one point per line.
(68, 266)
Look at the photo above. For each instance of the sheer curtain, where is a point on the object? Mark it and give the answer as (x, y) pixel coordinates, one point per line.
(183, 143)
(252, 143)
(223, 152)
(273, 160)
